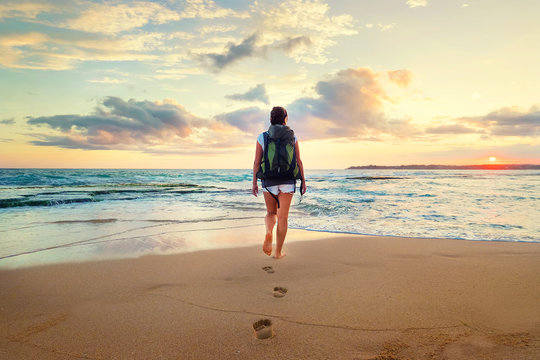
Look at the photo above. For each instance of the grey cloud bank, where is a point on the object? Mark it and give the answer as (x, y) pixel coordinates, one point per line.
(508, 121)
(9, 121)
(258, 93)
(120, 122)
(232, 53)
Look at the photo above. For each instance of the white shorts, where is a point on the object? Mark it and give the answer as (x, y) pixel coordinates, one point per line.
(284, 188)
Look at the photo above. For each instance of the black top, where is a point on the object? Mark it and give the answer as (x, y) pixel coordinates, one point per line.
(269, 182)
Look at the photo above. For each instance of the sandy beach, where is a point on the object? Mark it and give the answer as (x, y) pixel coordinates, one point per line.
(340, 297)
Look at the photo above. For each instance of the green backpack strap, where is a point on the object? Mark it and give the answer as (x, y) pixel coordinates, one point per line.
(267, 163)
(265, 151)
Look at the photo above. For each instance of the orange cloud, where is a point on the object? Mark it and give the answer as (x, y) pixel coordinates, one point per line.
(350, 104)
(400, 77)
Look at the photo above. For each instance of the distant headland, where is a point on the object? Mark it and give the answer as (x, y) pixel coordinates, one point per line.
(449, 167)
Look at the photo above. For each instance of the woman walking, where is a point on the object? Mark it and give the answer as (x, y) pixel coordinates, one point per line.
(278, 188)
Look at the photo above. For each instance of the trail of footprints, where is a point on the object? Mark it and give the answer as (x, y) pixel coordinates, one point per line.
(279, 291)
(263, 327)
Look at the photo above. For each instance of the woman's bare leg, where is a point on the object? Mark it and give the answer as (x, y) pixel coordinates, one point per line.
(282, 221)
(270, 220)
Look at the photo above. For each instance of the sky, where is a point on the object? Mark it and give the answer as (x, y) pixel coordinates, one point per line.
(191, 83)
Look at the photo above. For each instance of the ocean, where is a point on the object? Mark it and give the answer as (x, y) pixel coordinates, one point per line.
(58, 215)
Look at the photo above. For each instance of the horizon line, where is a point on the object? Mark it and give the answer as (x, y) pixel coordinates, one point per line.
(347, 168)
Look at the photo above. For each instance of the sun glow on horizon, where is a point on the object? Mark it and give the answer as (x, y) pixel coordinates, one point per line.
(492, 159)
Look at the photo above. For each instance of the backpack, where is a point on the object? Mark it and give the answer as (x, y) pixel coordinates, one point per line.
(279, 157)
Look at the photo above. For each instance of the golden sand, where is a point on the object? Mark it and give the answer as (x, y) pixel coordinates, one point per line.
(343, 297)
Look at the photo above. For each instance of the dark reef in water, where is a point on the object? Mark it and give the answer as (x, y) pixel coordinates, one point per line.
(450, 167)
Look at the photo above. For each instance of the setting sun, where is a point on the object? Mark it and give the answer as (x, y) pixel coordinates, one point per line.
(492, 158)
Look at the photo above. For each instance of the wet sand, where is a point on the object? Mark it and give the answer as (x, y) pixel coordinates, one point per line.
(341, 297)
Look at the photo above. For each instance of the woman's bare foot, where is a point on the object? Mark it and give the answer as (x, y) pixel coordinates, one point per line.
(267, 246)
(279, 256)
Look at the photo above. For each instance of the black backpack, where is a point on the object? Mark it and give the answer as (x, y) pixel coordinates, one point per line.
(279, 157)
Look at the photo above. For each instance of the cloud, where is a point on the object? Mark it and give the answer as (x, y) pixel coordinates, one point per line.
(28, 51)
(400, 77)
(106, 80)
(300, 49)
(177, 73)
(303, 28)
(10, 121)
(121, 124)
(386, 27)
(68, 142)
(29, 10)
(112, 19)
(41, 52)
(32, 38)
(258, 93)
(250, 47)
(207, 9)
(292, 43)
(250, 120)
(349, 104)
(416, 3)
(508, 121)
(452, 129)
(306, 15)
(217, 28)
(232, 53)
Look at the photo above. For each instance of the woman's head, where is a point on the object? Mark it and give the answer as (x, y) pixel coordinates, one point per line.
(278, 116)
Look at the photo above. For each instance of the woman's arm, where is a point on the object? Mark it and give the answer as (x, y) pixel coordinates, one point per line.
(256, 165)
(301, 167)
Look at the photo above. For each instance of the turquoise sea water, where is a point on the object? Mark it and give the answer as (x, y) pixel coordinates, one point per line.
(49, 215)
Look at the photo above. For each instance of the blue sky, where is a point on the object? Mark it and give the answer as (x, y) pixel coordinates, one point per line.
(184, 84)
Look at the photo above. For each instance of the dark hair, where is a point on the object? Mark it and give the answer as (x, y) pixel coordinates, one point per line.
(278, 115)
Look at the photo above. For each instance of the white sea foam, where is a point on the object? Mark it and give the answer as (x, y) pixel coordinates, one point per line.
(58, 215)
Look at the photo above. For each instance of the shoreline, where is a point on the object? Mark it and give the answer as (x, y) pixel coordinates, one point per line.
(330, 232)
(241, 233)
(347, 296)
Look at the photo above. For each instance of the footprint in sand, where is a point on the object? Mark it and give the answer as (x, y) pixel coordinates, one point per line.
(279, 291)
(263, 329)
(269, 269)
